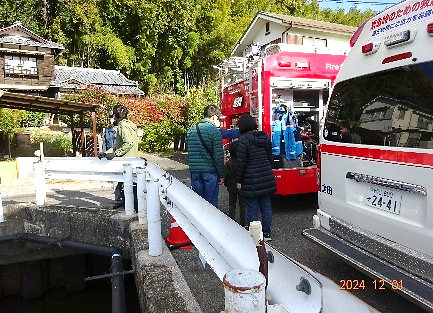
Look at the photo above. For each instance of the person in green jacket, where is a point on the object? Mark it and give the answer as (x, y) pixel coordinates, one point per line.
(206, 156)
(126, 146)
(126, 136)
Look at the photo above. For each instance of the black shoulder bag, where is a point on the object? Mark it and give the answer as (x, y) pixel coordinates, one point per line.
(205, 146)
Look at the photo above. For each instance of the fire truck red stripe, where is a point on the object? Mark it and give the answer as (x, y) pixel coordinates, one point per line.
(414, 158)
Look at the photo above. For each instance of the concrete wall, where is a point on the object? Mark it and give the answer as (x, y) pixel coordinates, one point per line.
(160, 284)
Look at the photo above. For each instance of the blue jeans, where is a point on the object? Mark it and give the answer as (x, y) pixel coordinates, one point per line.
(206, 185)
(265, 206)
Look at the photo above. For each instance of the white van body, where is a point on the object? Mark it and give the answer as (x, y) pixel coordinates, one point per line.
(376, 198)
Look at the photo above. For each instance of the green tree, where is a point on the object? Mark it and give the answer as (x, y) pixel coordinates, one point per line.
(9, 121)
(197, 102)
(31, 119)
(25, 11)
(166, 45)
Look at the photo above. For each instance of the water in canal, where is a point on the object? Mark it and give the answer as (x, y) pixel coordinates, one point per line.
(41, 279)
(95, 299)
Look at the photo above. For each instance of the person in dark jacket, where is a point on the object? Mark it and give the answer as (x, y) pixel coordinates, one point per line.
(234, 193)
(206, 159)
(345, 133)
(254, 174)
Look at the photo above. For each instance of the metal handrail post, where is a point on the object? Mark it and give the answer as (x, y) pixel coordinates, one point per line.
(141, 196)
(244, 291)
(39, 183)
(154, 217)
(128, 189)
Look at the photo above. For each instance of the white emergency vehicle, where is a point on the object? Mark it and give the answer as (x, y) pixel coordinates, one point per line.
(376, 195)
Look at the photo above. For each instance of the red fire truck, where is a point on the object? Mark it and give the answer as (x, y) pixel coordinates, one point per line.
(285, 90)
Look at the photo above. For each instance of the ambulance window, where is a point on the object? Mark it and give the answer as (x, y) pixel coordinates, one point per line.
(388, 108)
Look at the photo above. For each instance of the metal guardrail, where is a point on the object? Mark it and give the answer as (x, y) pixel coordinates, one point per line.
(291, 287)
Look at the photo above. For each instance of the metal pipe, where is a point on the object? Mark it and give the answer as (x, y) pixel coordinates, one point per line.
(141, 195)
(202, 223)
(117, 284)
(109, 275)
(154, 217)
(128, 189)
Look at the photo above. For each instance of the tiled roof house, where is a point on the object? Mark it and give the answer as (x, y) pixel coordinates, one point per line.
(26, 60)
(78, 78)
(27, 66)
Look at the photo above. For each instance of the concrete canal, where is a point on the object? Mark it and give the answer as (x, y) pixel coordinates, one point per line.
(41, 278)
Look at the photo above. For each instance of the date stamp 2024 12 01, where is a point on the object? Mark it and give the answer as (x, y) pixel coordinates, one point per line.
(359, 284)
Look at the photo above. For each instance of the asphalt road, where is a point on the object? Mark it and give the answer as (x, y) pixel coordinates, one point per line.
(291, 215)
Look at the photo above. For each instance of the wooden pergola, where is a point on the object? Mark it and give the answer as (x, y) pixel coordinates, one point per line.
(57, 106)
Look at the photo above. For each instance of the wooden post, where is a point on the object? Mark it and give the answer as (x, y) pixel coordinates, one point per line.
(95, 135)
(74, 142)
(83, 138)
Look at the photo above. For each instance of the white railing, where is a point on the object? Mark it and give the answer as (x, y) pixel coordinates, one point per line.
(226, 246)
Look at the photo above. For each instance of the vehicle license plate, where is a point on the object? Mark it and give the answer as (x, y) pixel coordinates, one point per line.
(383, 199)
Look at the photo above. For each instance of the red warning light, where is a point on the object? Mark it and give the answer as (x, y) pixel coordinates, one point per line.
(367, 48)
(397, 57)
(430, 29)
(284, 63)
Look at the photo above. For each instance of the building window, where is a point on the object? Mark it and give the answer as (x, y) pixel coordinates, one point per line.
(316, 42)
(267, 31)
(20, 65)
(303, 40)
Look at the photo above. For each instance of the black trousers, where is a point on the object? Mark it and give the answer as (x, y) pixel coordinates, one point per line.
(119, 195)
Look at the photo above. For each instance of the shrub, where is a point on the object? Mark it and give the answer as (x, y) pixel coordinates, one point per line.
(56, 144)
(103, 101)
(31, 119)
(158, 137)
(143, 111)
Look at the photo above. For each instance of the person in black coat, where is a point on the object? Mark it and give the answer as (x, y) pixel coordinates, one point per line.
(231, 183)
(254, 174)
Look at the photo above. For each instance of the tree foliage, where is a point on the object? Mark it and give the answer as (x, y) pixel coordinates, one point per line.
(9, 121)
(103, 102)
(168, 46)
(165, 45)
